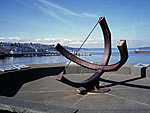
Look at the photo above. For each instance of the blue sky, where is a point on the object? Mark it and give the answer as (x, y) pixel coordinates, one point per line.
(69, 21)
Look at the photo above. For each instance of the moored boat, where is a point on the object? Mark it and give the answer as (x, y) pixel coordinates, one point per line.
(144, 52)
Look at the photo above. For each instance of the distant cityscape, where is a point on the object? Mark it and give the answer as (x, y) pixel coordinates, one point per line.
(20, 49)
(24, 47)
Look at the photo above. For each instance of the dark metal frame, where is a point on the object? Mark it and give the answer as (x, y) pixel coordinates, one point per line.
(92, 83)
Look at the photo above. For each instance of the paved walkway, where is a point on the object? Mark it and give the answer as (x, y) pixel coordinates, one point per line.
(128, 94)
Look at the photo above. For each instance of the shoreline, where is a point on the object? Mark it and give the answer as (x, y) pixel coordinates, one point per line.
(128, 68)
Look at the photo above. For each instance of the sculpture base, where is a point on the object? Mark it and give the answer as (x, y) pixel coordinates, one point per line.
(83, 91)
(101, 90)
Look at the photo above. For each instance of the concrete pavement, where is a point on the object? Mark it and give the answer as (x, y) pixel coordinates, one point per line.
(129, 93)
(35, 90)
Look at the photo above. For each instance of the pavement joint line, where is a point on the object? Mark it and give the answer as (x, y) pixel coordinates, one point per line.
(128, 99)
(96, 93)
(105, 78)
(46, 91)
(69, 96)
(122, 88)
(74, 105)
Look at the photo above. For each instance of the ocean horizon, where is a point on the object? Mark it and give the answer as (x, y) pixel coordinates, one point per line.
(96, 56)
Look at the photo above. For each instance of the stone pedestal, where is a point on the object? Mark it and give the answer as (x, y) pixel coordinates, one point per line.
(139, 70)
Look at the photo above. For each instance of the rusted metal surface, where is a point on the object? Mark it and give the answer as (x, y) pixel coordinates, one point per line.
(113, 67)
(92, 83)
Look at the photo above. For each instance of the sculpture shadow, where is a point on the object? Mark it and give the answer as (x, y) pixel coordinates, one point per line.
(125, 83)
(11, 82)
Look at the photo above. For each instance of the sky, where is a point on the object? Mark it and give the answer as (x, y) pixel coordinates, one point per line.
(69, 21)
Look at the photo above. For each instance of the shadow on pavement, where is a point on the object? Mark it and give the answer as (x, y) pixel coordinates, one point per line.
(11, 82)
(125, 83)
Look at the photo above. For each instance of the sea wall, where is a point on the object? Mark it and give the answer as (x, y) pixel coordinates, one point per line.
(56, 68)
(12, 81)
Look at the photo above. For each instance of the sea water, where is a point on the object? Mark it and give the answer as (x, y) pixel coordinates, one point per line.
(96, 56)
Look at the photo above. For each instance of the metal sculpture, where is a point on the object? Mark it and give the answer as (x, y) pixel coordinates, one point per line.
(92, 83)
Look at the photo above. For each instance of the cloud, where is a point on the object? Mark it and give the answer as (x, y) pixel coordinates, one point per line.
(54, 10)
(51, 13)
(72, 43)
(138, 43)
(90, 43)
(58, 11)
(62, 9)
(26, 4)
(63, 41)
(92, 15)
(10, 39)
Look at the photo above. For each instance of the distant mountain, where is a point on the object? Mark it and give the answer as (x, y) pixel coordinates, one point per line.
(74, 49)
(145, 48)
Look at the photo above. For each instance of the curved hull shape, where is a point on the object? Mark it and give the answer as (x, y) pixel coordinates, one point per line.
(143, 52)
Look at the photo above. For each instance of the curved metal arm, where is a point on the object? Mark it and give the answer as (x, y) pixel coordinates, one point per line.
(114, 67)
(107, 49)
(107, 40)
(122, 46)
(93, 81)
(88, 84)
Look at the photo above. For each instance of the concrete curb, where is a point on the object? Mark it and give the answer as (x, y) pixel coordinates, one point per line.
(134, 69)
(56, 68)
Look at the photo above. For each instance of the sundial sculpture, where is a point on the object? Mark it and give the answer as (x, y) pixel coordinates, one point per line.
(92, 83)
